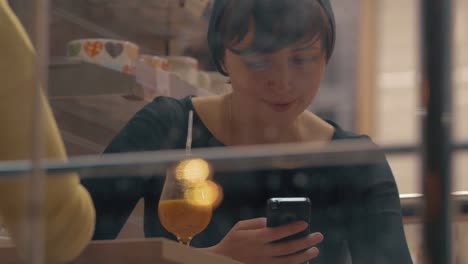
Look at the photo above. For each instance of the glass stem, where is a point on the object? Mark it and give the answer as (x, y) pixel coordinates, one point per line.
(184, 241)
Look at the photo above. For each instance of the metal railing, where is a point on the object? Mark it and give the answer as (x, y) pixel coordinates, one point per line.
(222, 159)
(412, 206)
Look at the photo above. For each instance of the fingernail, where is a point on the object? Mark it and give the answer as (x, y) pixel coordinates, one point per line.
(315, 250)
(317, 236)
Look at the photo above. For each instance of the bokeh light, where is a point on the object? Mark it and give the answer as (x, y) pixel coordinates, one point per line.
(206, 193)
(193, 170)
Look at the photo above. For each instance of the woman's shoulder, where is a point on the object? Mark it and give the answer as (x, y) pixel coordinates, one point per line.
(163, 107)
(160, 124)
(340, 133)
(366, 174)
(323, 130)
(364, 142)
(165, 112)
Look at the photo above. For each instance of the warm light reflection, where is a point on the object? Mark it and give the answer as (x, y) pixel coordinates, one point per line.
(193, 170)
(207, 193)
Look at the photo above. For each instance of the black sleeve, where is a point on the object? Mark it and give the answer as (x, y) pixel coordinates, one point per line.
(376, 233)
(114, 200)
(152, 128)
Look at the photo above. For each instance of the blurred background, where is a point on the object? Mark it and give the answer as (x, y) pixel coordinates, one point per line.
(371, 86)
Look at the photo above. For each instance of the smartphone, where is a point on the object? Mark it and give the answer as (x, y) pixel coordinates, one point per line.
(281, 211)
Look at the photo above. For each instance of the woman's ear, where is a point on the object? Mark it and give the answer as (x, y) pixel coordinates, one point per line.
(323, 67)
(223, 64)
(225, 69)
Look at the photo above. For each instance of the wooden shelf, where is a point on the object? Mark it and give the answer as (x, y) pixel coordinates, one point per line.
(68, 77)
(92, 103)
(88, 123)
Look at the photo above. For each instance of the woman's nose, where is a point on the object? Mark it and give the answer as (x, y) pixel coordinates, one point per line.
(280, 79)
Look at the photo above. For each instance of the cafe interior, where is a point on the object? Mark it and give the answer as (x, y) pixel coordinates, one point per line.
(80, 76)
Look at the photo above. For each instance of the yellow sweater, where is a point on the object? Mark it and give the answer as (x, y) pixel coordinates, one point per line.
(69, 212)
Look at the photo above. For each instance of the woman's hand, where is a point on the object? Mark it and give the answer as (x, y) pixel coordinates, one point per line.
(250, 242)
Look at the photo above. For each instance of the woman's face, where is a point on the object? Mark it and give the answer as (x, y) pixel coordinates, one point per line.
(276, 86)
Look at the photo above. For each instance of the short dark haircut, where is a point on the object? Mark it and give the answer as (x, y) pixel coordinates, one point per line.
(278, 23)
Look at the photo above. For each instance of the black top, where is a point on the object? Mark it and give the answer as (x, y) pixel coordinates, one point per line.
(354, 207)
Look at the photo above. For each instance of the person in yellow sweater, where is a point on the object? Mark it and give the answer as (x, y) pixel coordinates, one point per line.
(68, 208)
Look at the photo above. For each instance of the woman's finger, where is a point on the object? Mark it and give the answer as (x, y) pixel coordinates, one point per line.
(271, 234)
(299, 258)
(251, 224)
(294, 246)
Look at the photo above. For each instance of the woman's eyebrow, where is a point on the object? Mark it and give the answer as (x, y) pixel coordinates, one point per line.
(307, 47)
(245, 52)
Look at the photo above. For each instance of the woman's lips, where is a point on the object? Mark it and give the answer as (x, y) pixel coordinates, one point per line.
(281, 106)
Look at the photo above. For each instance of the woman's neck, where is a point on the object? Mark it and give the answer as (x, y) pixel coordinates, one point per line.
(244, 128)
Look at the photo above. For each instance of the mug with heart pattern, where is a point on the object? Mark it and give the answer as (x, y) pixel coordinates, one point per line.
(113, 54)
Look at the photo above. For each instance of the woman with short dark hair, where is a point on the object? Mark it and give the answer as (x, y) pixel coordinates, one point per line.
(275, 53)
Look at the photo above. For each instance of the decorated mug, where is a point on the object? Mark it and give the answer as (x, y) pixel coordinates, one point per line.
(113, 54)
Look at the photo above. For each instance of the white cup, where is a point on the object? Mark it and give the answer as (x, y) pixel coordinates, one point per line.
(113, 54)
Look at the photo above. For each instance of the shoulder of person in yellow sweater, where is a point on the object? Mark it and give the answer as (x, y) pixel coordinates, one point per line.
(68, 208)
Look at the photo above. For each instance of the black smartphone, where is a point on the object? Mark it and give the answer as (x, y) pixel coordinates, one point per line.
(281, 211)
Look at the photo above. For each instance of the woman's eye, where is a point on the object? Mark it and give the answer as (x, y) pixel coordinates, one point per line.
(257, 65)
(303, 61)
